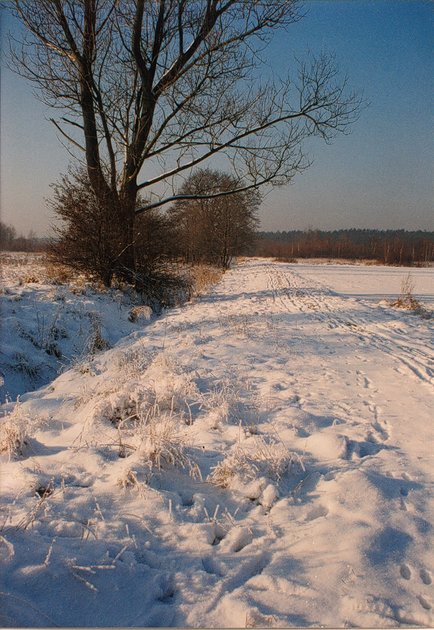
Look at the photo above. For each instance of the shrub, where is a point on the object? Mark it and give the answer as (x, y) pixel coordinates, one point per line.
(406, 298)
(91, 236)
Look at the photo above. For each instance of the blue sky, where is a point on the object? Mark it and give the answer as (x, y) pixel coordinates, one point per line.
(380, 176)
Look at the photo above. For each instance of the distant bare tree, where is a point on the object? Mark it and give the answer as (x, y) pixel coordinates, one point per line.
(10, 241)
(214, 229)
(396, 247)
(148, 90)
(8, 234)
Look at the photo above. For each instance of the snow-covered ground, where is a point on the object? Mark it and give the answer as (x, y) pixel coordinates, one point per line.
(47, 325)
(259, 457)
(373, 282)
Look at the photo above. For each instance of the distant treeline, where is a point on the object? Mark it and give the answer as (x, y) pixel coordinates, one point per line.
(391, 247)
(10, 241)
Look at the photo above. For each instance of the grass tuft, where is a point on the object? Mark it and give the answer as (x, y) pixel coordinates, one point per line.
(408, 301)
(13, 433)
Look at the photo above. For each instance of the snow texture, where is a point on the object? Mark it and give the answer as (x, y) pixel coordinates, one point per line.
(260, 457)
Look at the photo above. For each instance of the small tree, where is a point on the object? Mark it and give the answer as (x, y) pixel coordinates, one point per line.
(210, 228)
(89, 238)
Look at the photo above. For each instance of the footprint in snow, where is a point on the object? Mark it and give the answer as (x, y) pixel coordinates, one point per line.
(360, 449)
(246, 570)
(167, 588)
(424, 602)
(405, 571)
(425, 577)
(316, 512)
(237, 539)
(214, 566)
(363, 380)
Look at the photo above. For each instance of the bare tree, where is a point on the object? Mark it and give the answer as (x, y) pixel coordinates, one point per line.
(214, 229)
(8, 235)
(148, 90)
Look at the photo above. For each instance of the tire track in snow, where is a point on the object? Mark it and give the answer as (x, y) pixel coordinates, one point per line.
(291, 292)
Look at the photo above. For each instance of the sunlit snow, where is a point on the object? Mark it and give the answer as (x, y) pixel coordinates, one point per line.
(260, 457)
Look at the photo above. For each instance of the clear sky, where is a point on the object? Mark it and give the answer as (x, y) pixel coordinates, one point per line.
(380, 176)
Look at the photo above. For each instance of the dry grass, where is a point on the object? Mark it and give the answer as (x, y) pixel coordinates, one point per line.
(407, 301)
(141, 314)
(153, 441)
(235, 464)
(285, 259)
(96, 342)
(406, 298)
(13, 433)
(203, 277)
(267, 458)
(60, 274)
(163, 444)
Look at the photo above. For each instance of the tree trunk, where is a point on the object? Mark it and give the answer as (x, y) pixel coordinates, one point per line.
(127, 263)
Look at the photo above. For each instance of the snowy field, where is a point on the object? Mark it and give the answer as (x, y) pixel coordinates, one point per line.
(373, 282)
(261, 457)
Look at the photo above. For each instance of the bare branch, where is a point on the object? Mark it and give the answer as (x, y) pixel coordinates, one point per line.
(71, 140)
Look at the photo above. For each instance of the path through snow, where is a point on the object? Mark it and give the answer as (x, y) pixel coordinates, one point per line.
(314, 412)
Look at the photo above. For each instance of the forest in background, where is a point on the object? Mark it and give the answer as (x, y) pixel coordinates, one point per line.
(390, 247)
(11, 241)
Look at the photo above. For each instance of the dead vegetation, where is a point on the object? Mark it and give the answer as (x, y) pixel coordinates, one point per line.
(407, 300)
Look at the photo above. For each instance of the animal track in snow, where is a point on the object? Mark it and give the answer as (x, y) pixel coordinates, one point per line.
(403, 492)
(214, 566)
(424, 602)
(361, 449)
(249, 568)
(425, 576)
(316, 512)
(405, 571)
(237, 539)
(377, 425)
(363, 380)
(168, 590)
(231, 579)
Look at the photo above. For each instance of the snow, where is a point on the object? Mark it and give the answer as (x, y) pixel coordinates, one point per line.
(260, 457)
(46, 325)
(372, 282)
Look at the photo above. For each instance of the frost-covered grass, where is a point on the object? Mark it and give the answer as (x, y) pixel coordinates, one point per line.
(260, 457)
(53, 317)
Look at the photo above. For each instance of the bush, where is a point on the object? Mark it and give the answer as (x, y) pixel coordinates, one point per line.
(90, 237)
